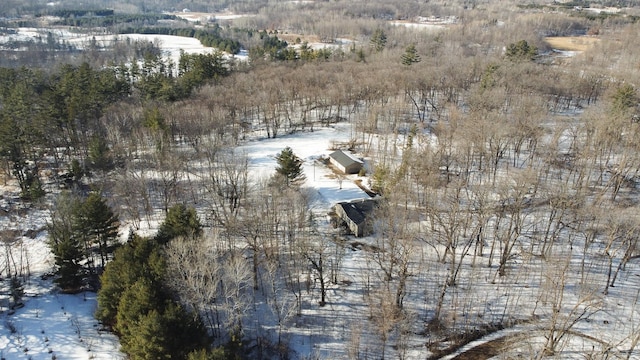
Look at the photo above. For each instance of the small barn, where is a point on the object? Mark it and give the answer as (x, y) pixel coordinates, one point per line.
(355, 215)
(345, 162)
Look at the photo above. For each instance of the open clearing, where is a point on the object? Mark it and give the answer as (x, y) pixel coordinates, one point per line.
(571, 43)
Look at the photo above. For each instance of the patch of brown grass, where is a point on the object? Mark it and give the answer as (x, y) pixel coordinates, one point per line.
(571, 43)
(291, 38)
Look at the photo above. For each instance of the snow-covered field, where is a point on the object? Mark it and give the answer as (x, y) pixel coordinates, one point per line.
(171, 45)
(55, 326)
(207, 17)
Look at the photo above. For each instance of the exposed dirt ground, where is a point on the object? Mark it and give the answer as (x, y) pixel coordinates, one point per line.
(483, 351)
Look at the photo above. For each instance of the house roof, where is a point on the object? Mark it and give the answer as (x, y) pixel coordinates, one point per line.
(345, 159)
(357, 210)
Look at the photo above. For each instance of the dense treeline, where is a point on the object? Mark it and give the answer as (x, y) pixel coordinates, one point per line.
(41, 113)
(67, 13)
(104, 19)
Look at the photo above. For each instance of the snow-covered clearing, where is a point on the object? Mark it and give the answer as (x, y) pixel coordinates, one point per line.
(171, 45)
(310, 147)
(426, 23)
(208, 17)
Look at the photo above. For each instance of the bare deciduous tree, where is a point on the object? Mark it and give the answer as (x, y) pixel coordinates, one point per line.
(564, 309)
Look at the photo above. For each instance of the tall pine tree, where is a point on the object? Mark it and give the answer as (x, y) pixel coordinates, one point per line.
(139, 258)
(289, 166)
(78, 229)
(98, 224)
(378, 40)
(65, 244)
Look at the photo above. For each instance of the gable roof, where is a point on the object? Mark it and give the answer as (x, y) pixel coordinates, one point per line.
(345, 159)
(357, 210)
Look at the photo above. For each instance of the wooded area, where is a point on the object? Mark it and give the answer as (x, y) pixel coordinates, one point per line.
(508, 171)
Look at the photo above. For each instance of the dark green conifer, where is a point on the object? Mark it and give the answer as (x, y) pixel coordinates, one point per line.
(289, 166)
(180, 221)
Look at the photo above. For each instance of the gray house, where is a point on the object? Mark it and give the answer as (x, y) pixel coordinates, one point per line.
(345, 162)
(354, 214)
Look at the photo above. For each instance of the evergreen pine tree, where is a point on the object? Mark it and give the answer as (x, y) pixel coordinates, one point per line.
(360, 55)
(68, 254)
(410, 56)
(521, 51)
(180, 221)
(135, 302)
(65, 242)
(148, 339)
(165, 332)
(289, 166)
(185, 332)
(378, 40)
(139, 258)
(99, 224)
(205, 354)
(99, 154)
(624, 98)
(16, 291)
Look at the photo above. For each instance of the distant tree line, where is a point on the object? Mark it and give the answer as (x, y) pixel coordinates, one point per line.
(91, 19)
(67, 13)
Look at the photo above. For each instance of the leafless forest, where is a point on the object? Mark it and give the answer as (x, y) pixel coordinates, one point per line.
(509, 178)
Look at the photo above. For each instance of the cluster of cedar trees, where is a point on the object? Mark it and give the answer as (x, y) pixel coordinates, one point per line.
(133, 299)
(136, 303)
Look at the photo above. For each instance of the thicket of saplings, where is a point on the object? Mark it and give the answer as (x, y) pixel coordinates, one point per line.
(532, 176)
